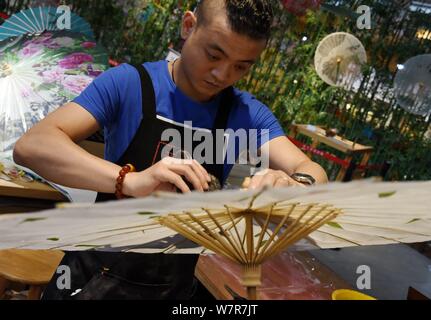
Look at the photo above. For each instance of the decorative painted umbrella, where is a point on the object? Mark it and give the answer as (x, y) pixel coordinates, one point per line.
(40, 19)
(247, 227)
(339, 59)
(39, 73)
(412, 85)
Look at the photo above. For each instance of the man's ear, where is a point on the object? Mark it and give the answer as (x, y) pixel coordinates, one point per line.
(188, 24)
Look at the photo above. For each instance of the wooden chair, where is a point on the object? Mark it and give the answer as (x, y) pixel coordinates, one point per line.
(28, 267)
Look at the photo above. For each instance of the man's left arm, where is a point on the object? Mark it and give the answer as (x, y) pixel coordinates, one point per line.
(284, 160)
(285, 156)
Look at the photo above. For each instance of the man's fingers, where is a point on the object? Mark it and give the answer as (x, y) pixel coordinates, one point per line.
(268, 180)
(282, 182)
(188, 172)
(194, 166)
(202, 174)
(246, 183)
(203, 171)
(255, 182)
(175, 179)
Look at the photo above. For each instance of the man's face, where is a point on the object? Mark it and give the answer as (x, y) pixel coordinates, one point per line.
(214, 57)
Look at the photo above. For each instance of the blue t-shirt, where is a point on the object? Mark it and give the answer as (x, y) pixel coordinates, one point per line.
(114, 99)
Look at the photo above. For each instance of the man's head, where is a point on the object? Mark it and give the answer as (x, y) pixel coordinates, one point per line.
(250, 18)
(223, 40)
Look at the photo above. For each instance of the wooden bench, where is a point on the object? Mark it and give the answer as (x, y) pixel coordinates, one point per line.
(34, 268)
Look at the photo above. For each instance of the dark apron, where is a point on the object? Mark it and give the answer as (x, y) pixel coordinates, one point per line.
(113, 275)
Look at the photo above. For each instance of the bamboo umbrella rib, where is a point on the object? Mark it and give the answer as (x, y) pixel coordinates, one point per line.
(275, 232)
(264, 229)
(249, 233)
(209, 236)
(197, 238)
(228, 237)
(301, 231)
(236, 229)
(306, 228)
(315, 227)
(213, 235)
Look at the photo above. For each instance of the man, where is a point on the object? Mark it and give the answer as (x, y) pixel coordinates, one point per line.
(136, 105)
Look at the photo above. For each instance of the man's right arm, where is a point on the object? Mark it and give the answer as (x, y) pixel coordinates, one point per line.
(50, 149)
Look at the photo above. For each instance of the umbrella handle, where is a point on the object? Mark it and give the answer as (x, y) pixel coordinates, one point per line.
(251, 278)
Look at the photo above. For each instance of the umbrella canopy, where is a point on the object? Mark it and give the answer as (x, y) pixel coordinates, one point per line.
(339, 59)
(40, 19)
(247, 227)
(39, 73)
(362, 213)
(412, 85)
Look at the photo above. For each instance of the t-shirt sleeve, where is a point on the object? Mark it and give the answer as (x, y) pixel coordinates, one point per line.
(102, 97)
(266, 124)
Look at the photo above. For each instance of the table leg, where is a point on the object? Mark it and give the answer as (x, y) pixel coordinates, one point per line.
(365, 158)
(293, 132)
(3, 286)
(343, 170)
(314, 145)
(34, 293)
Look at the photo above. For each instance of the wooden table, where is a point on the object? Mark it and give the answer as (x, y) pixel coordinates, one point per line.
(19, 196)
(288, 276)
(318, 136)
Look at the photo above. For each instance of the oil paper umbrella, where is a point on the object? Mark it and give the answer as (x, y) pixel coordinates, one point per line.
(40, 73)
(247, 227)
(339, 59)
(412, 85)
(40, 19)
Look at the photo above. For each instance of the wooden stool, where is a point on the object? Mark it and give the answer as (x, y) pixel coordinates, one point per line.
(28, 267)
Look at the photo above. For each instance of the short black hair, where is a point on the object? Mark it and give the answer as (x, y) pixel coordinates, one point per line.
(252, 18)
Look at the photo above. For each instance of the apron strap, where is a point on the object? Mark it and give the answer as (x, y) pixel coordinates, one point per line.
(224, 109)
(149, 106)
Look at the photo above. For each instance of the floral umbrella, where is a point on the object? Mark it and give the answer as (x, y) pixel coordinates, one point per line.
(37, 20)
(39, 73)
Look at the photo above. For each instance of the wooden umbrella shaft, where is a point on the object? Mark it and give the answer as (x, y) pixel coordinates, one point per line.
(251, 279)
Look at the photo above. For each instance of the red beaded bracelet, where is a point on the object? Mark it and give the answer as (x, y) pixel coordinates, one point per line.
(122, 174)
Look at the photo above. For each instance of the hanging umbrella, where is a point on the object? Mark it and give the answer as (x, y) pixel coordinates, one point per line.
(40, 19)
(247, 227)
(39, 73)
(339, 59)
(412, 85)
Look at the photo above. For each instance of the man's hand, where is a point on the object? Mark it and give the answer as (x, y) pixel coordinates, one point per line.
(270, 178)
(167, 175)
